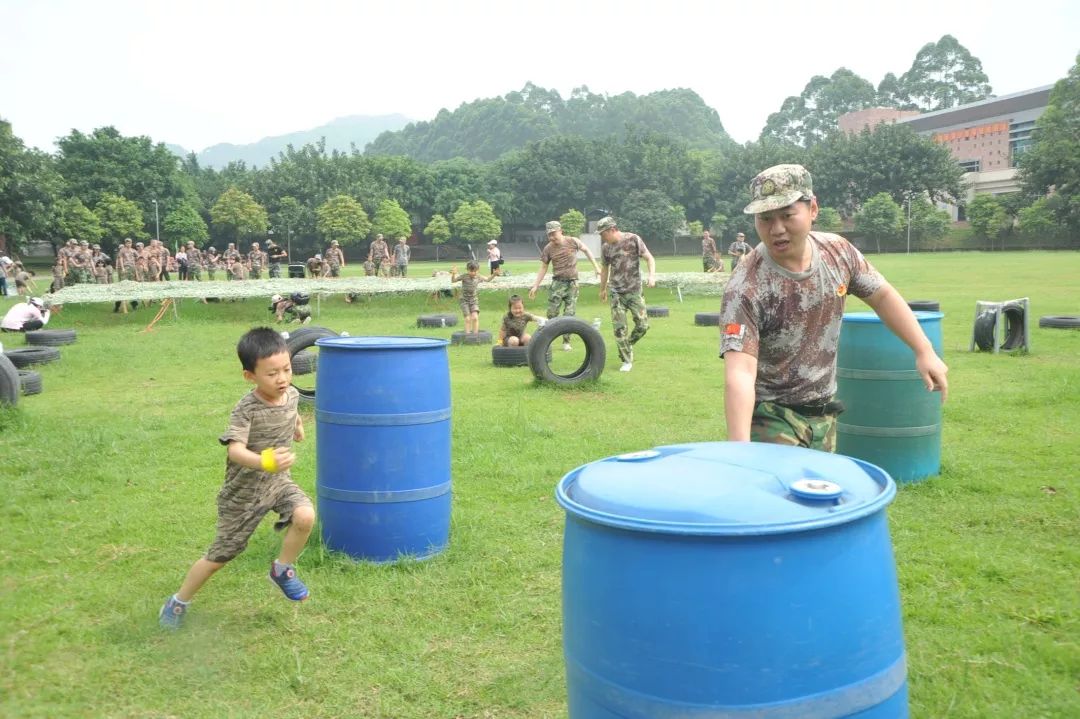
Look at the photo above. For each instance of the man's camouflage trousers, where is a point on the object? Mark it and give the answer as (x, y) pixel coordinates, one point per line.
(632, 305)
(564, 294)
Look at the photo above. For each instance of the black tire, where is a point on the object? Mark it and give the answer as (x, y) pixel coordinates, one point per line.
(510, 356)
(29, 381)
(657, 311)
(1062, 322)
(707, 319)
(23, 357)
(984, 330)
(438, 320)
(924, 305)
(50, 338)
(1014, 328)
(540, 351)
(304, 362)
(483, 337)
(9, 382)
(305, 340)
(306, 330)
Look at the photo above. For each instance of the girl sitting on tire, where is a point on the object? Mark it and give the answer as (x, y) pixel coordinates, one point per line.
(512, 332)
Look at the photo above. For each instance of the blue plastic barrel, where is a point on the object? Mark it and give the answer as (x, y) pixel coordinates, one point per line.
(730, 580)
(890, 419)
(382, 413)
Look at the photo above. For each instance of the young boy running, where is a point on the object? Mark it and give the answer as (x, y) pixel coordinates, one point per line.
(470, 303)
(262, 428)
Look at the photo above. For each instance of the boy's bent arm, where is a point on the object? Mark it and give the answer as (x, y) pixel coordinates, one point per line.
(740, 374)
(898, 317)
(243, 456)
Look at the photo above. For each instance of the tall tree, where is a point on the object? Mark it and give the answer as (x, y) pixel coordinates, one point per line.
(573, 222)
(927, 223)
(238, 214)
(812, 116)
(391, 220)
(944, 74)
(879, 220)
(184, 224)
(29, 188)
(343, 219)
(987, 217)
(828, 220)
(439, 232)
(1053, 161)
(119, 218)
(651, 214)
(74, 219)
(132, 167)
(475, 223)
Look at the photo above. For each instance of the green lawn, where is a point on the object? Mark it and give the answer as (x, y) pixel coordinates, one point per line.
(110, 475)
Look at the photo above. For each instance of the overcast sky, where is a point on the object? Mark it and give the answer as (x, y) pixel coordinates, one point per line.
(197, 73)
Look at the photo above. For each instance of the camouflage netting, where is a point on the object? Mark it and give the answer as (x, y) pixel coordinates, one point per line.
(688, 282)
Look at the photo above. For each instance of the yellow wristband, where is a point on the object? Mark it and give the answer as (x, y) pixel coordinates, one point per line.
(269, 461)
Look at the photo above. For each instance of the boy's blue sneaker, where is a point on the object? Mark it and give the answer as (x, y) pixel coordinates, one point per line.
(172, 613)
(289, 584)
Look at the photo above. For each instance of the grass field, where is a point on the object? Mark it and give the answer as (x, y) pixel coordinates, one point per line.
(109, 480)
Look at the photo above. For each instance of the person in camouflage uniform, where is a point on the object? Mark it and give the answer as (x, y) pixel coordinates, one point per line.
(402, 254)
(561, 252)
(256, 259)
(160, 253)
(512, 331)
(470, 302)
(378, 253)
(195, 262)
(142, 263)
(102, 268)
(262, 427)
(59, 271)
(82, 260)
(276, 254)
(232, 257)
(212, 263)
(738, 250)
(66, 253)
(620, 284)
(314, 266)
(781, 314)
(282, 306)
(125, 261)
(710, 258)
(335, 258)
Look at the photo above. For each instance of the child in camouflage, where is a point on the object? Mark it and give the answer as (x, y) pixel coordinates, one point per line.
(282, 306)
(512, 332)
(470, 303)
(262, 428)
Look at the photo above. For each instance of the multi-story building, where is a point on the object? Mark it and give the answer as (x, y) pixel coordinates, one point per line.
(985, 137)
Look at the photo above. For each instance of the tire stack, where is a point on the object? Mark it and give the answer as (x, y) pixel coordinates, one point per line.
(16, 377)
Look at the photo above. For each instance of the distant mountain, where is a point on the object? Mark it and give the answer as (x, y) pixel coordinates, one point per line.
(485, 129)
(340, 134)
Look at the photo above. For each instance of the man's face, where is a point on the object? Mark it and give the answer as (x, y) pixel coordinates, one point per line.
(555, 236)
(611, 234)
(784, 231)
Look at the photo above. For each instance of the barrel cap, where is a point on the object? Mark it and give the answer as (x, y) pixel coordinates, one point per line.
(725, 488)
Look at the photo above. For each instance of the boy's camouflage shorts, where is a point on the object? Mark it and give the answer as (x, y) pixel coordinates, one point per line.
(777, 424)
(242, 505)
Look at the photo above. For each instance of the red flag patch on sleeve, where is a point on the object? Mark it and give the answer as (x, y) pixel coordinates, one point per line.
(734, 330)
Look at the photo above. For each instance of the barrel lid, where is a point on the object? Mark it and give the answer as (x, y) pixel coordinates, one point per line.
(380, 343)
(725, 488)
(872, 316)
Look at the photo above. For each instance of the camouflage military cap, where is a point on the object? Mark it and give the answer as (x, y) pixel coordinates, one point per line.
(605, 223)
(552, 226)
(779, 186)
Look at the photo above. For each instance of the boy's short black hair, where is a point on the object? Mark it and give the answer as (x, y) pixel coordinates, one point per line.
(472, 265)
(259, 343)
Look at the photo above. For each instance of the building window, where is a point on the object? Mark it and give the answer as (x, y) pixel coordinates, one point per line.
(1020, 140)
(970, 165)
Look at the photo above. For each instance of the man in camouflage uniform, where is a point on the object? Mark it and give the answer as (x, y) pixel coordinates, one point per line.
(710, 258)
(335, 258)
(314, 266)
(83, 261)
(620, 284)
(232, 257)
(161, 254)
(256, 258)
(195, 262)
(781, 314)
(378, 253)
(738, 249)
(125, 261)
(276, 255)
(102, 268)
(212, 260)
(561, 252)
(66, 253)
